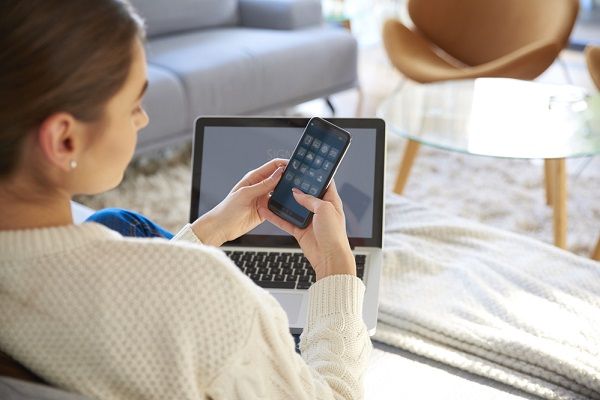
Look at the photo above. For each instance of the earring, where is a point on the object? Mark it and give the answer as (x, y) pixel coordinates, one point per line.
(73, 164)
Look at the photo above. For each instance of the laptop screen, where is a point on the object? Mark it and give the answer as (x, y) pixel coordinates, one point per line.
(227, 148)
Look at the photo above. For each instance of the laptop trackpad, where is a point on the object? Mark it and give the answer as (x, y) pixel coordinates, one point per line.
(291, 303)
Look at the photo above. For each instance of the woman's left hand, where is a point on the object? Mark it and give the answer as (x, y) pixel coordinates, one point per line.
(238, 213)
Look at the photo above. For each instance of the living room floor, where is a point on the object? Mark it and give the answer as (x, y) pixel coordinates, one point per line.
(510, 193)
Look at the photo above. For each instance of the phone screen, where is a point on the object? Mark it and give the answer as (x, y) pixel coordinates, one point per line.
(310, 169)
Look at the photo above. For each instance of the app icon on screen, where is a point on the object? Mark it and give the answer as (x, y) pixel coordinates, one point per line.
(318, 161)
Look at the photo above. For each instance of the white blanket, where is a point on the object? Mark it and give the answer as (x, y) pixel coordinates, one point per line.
(490, 302)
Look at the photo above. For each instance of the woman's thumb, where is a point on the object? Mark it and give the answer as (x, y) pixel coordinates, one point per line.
(305, 200)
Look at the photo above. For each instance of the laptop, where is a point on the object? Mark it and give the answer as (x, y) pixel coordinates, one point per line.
(226, 148)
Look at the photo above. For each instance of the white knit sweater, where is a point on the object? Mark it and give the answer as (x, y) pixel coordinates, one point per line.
(127, 318)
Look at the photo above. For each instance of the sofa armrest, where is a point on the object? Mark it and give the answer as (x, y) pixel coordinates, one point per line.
(280, 14)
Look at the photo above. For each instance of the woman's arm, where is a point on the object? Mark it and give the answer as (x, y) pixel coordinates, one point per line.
(238, 213)
(335, 349)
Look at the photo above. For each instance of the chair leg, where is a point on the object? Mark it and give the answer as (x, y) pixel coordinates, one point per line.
(410, 153)
(596, 253)
(559, 200)
(549, 180)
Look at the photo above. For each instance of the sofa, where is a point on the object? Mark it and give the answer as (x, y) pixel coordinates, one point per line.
(237, 57)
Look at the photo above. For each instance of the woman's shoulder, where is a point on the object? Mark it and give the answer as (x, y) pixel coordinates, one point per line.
(158, 255)
(92, 252)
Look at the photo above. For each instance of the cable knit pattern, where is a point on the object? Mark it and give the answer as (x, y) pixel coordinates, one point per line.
(491, 302)
(124, 318)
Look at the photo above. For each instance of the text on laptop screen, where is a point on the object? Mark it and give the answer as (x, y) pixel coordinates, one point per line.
(229, 152)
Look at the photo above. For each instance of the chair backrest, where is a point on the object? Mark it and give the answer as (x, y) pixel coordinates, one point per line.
(479, 31)
(592, 56)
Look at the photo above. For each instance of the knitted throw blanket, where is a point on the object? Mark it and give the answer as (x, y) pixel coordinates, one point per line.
(490, 302)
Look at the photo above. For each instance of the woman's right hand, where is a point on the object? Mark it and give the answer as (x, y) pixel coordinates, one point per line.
(324, 241)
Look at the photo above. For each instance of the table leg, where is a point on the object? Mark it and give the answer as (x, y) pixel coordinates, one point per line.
(559, 201)
(410, 152)
(549, 180)
(596, 253)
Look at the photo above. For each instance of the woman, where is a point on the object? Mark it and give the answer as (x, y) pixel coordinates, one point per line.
(116, 317)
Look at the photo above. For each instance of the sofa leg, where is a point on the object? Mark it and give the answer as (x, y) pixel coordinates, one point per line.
(330, 105)
(359, 102)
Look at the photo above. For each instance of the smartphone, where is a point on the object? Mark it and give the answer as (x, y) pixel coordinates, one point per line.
(311, 168)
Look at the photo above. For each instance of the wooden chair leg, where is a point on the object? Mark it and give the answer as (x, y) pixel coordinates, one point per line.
(549, 180)
(596, 253)
(410, 152)
(559, 200)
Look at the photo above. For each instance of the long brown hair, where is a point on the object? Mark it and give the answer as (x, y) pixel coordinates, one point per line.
(59, 55)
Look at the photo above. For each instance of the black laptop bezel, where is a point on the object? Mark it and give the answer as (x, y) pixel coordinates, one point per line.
(376, 239)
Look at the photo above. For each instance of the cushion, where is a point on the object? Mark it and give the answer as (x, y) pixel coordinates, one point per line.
(166, 105)
(243, 71)
(164, 17)
(14, 389)
(281, 14)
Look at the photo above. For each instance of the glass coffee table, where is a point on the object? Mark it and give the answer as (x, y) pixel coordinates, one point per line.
(504, 118)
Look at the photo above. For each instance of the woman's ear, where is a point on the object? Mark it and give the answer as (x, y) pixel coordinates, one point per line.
(59, 140)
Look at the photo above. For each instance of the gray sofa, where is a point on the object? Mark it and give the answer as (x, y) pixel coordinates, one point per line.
(230, 57)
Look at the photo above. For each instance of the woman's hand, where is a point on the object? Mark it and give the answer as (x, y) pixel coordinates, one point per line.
(324, 241)
(238, 212)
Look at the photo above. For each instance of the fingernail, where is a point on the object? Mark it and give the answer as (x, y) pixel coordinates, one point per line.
(296, 190)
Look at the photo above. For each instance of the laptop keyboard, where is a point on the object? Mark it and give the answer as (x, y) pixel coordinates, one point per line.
(281, 270)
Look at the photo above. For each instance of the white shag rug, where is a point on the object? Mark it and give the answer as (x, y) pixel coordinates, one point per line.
(503, 193)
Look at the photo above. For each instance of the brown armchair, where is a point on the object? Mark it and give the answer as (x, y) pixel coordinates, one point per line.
(465, 39)
(460, 39)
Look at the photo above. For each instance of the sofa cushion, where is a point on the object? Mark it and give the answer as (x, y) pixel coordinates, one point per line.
(168, 16)
(243, 71)
(166, 105)
(281, 14)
